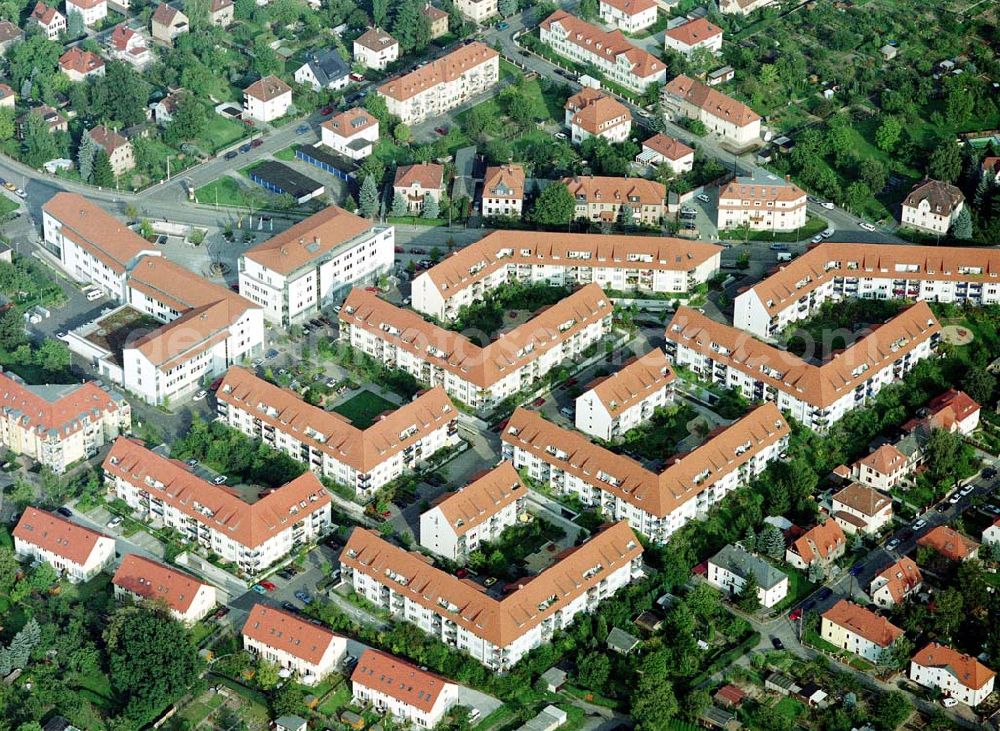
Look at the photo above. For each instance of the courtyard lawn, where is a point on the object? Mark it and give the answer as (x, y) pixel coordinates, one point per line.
(221, 132)
(362, 408)
(789, 708)
(287, 154)
(814, 225)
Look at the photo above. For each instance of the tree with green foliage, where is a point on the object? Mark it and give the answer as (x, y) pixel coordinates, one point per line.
(856, 196)
(554, 207)
(589, 9)
(368, 199)
(411, 27)
(380, 12)
(39, 143)
(874, 174)
(770, 542)
(402, 134)
(85, 156)
(431, 207)
(747, 598)
(75, 27)
(889, 710)
(12, 333)
(7, 124)
(948, 612)
(888, 133)
(103, 174)
(593, 671)
(507, 8)
(945, 162)
(980, 384)
(961, 227)
(399, 207)
(120, 95)
(654, 704)
(188, 121)
(287, 700)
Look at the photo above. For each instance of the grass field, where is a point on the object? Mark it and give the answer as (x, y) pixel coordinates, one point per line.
(198, 710)
(7, 206)
(287, 154)
(221, 132)
(362, 408)
(337, 701)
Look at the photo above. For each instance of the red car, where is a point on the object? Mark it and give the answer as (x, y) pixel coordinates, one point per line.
(461, 573)
(538, 401)
(215, 384)
(326, 111)
(269, 585)
(399, 250)
(386, 513)
(256, 142)
(372, 289)
(795, 614)
(441, 130)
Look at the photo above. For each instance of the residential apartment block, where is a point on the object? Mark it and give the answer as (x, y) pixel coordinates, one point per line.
(655, 505)
(663, 150)
(313, 264)
(403, 691)
(955, 675)
(591, 113)
(851, 627)
(932, 207)
(497, 632)
(477, 376)
(375, 49)
(867, 271)
(59, 425)
(732, 120)
(503, 191)
(895, 583)
(762, 203)
(267, 99)
(601, 198)
(816, 395)
(460, 522)
(432, 90)
(861, 509)
(140, 579)
(167, 494)
(622, 263)
(730, 568)
(309, 650)
(75, 552)
(477, 11)
(612, 54)
(353, 133)
(696, 33)
(328, 444)
(630, 16)
(614, 404)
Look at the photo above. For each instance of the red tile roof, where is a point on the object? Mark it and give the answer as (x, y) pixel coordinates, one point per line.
(631, 7)
(151, 580)
(901, 578)
(57, 535)
(819, 542)
(55, 409)
(376, 39)
(951, 407)
(82, 62)
(397, 679)
(634, 381)
(668, 147)
(967, 670)
(268, 88)
(44, 14)
(445, 69)
(711, 101)
(286, 632)
(886, 460)
(863, 622)
(349, 123)
(608, 44)
(604, 189)
(481, 499)
(427, 175)
(949, 543)
(107, 138)
(694, 32)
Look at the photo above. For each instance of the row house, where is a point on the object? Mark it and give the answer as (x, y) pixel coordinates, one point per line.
(656, 505)
(307, 649)
(732, 120)
(821, 545)
(894, 584)
(861, 509)
(363, 459)
(495, 632)
(353, 133)
(630, 16)
(309, 267)
(375, 49)
(609, 200)
(659, 265)
(817, 396)
(731, 568)
(165, 493)
(612, 405)
(952, 673)
(761, 203)
(460, 522)
(59, 425)
(613, 55)
(186, 598)
(503, 191)
(691, 35)
(661, 149)
(834, 272)
(932, 207)
(479, 377)
(73, 551)
(444, 84)
(592, 113)
(860, 631)
(408, 694)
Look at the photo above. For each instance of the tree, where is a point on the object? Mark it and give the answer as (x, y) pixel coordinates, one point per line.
(402, 133)
(24, 642)
(873, 173)
(945, 162)
(431, 207)
(7, 124)
(771, 542)
(266, 674)
(376, 106)
(961, 227)
(368, 198)
(888, 133)
(589, 9)
(593, 671)
(380, 12)
(411, 28)
(980, 384)
(85, 156)
(120, 95)
(287, 699)
(948, 613)
(507, 7)
(39, 143)
(554, 207)
(103, 175)
(654, 704)
(75, 27)
(746, 598)
(188, 120)
(12, 332)
(889, 710)
(9, 568)
(816, 572)
(856, 195)
(519, 107)
(399, 208)
(151, 660)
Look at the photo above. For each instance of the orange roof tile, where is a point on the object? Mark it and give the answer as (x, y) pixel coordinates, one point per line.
(863, 499)
(761, 188)
(107, 138)
(608, 44)
(901, 578)
(668, 147)
(55, 409)
(286, 632)
(951, 407)
(152, 580)
(44, 14)
(102, 235)
(445, 69)
(967, 670)
(349, 123)
(481, 499)
(57, 535)
(886, 460)
(693, 32)
(506, 178)
(711, 101)
(397, 679)
(634, 381)
(426, 175)
(949, 543)
(80, 61)
(603, 189)
(268, 88)
(631, 7)
(596, 116)
(863, 622)
(819, 542)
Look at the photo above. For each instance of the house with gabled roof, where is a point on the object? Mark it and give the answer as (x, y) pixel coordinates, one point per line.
(309, 650)
(396, 688)
(949, 543)
(503, 190)
(932, 206)
(630, 16)
(612, 405)
(141, 579)
(74, 551)
(896, 583)
(91, 11)
(168, 22)
(952, 673)
(732, 120)
(375, 49)
(861, 631)
(859, 508)
(324, 70)
(267, 99)
(50, 20)
(661, 149)
(689, 36)
(604, 198)
(822, 544)
(730, 568)
(78, 64)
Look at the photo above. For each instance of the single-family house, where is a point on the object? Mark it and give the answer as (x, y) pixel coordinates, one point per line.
(50, 20)
(729, 568)
(822, 544)
(954, 674)
(416, 182)
(267, 99)
(895, 583)
(77, 552)
(949, 543)
(861, 509)
(167, 23)
(661, 149)
(861, 631)
(696, 33)
(326, 70)
(91, 11)
(503, 190)
(353, 133)
(120, 152)
(78, 64)
(932, 207)
(375, 49)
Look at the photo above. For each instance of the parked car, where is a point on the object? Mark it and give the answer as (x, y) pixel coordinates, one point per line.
(302, 129)
(289, 607)
(989, 473)
(259, 589)
(825, 593)
(245, 148)
(538, 401)
(567, 412)
(256, 142)
(967, 490)
(816, 239)
(303, 597)
(777, 644)
(560, 135)
(827, 205)
(795, 615)
(441, 130)
(220, 480)
(704, 198)
(399, 250)
(892, 545)
(503, 25)
(269, 585)
(20, 193)
(955, 498)
(231, 155)
(867, 226)
(325, 111)
(192, 462)
(200, 395)
(64, 511)
(827, 233)
(114, 522)
(920, 523)
(272, 353)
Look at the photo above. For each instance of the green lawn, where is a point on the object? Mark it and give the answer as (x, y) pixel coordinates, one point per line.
(224, 192)
(7, 206)
(789, 708)
(362, 408)
(198, 710)
(798, 588)
(813, 226)
(337, 701)
(221, 132)
(287, 154)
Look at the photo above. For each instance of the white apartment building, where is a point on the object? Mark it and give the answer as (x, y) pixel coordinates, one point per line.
(93, 246)
(655, 505)
(59, 425)
(742, 7)
(689, 36)
(460, 522)
(91, 12)
(883, 469)
(140, 579)
(166, 494)
(75, 552)
(477, 11)
(375, 49)
(496, 632)
(313, 264)
(630, 16)
(861, 509)
(616, 58)
(867, 271)
(477, 376)
(729, 568)
(503, 191)
(591, 113)
(267, 99)
(762, 202)
(816, 395)
(955, 675)
(663, 150)
(353, 133)
(309, 650)
(895, 583)
(732, 120)
(330, 446)
(627, 398)
(851, 627)
(208, 328)
(51, 22)
(432, 90)
(409, 694)
(932, 207)
(660, 265)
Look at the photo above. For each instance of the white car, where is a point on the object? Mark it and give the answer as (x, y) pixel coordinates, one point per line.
(816, 239)
(955, 498)
(828, 205)
(892, 545)
(560, 135)
(949, 702)
(220, 480)
(867, 226)
(114, 522)
(200, 395)
(704, 198)
(919, 524)
(643, 113)
(827, 234)
(968, 489)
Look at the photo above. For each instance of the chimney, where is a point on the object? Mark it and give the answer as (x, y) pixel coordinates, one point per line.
(788, 178)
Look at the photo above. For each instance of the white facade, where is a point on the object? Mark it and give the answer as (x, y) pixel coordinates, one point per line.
(724, 116)
(139, 579)
(732, 583)
(943, 678)
(83, 565)
(395, 688)
(477, 10)
(608, 420)
(924, 218)
(378, 58)
(763, 205)
(92, 11)
(355, 144)
(308, 672)
(847, 639)
(872, 523)
(630, 16)
(267, 100)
